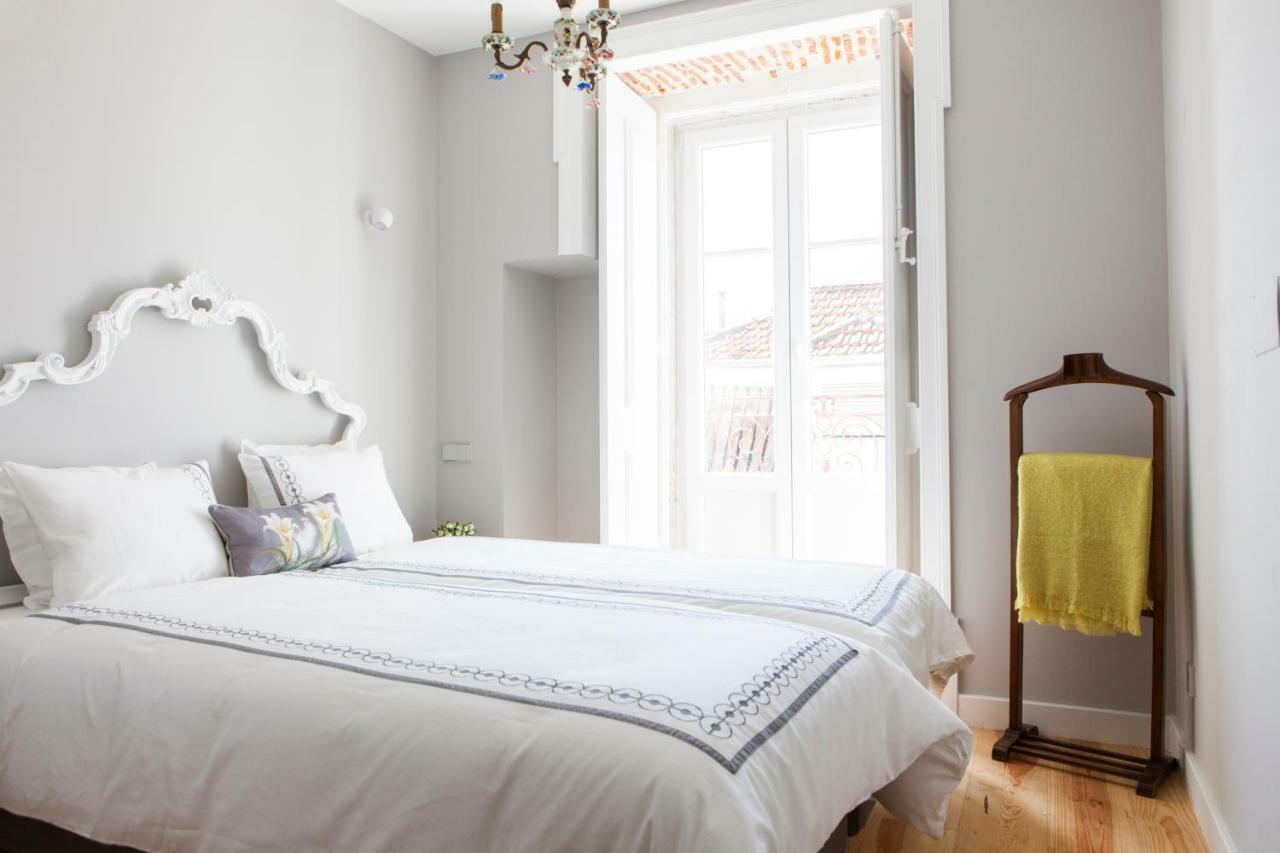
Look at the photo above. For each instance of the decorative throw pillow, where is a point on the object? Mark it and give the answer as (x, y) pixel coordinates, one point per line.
(370, 511)
(308, 535)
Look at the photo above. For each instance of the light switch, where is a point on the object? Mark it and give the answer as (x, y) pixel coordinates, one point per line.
(456, 452)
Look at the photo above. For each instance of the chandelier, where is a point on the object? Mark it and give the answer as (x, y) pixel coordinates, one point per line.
(579, 51)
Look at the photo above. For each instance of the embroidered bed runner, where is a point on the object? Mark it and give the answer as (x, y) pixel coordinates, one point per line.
(865, 594)
(724, 683)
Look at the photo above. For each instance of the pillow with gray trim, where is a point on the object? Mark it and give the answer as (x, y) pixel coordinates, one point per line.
(309, 535)
(81, 533)
(372, 515)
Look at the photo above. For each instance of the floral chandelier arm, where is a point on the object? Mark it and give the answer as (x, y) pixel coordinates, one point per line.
(521, 58)
(574, 48)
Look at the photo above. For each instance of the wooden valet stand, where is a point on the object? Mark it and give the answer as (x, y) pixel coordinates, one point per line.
(1022, 739)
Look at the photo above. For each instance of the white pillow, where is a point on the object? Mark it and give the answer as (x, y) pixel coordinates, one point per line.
(356, 477)
(247, 446)
(261, 493)
(25, 550)
(107, 530)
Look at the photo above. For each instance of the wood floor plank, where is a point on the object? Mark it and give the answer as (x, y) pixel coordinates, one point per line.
(1166, 823)
(1006, 805)
(1040, 806)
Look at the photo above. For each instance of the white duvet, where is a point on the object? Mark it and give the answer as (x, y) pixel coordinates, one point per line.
(339, 711)
(898, 613)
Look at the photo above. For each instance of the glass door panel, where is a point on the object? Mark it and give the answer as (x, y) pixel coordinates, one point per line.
(784, 405)
(839, 373)
(738, 454)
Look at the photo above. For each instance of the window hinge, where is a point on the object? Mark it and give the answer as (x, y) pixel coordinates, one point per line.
(904, 234)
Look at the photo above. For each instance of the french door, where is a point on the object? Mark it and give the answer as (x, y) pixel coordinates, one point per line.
(788, 310)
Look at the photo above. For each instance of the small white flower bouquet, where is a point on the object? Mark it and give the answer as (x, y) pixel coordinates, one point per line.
(456, 528)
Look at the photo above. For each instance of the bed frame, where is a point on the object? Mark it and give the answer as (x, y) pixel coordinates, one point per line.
(27, 835)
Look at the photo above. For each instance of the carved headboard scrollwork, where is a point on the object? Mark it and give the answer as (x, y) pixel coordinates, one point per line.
(199, 299)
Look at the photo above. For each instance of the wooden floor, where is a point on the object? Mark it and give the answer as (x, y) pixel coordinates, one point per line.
(1041, 807)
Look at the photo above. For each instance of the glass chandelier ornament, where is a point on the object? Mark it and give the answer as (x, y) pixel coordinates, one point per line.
(578, 52)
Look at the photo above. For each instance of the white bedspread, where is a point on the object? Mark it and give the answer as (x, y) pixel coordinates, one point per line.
(334, 712)
(898, 613)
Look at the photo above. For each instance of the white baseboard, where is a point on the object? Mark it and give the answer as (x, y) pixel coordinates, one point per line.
(1173, 743)
(1208, 815)
(1123, 728)
(10, 595)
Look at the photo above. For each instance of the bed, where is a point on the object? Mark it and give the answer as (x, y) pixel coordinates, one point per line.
(487, 695)
(897, 612)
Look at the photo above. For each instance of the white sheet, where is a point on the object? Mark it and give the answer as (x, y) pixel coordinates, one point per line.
(324, 712)
(898, 613)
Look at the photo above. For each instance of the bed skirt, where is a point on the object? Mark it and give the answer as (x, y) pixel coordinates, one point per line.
(28, 835)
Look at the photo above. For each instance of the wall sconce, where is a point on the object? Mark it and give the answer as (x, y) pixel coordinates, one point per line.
(379, 219)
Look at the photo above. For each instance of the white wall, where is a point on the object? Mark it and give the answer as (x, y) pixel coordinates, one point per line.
(530, 470)
(535, 447)
(147, 138)
(578, 409)
(497, 196)
(1222, 132)
(1055, 219)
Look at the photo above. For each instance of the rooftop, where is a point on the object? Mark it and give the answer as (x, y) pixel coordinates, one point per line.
(845, 319)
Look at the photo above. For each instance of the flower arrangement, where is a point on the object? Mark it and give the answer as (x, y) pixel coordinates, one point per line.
(456, 528)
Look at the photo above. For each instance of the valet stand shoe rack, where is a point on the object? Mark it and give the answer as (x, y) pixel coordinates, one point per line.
(1022, 739)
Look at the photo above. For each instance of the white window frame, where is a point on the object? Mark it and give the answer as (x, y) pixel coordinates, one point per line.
(646, 43)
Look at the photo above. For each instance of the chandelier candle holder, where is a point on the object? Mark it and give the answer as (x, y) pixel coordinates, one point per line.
(577, 51)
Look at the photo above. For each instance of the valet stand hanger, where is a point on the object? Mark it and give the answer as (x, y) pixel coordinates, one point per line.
(1026, 740)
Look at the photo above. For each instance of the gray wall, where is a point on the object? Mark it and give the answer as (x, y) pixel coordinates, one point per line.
(550, 407)
(496, 205)
(535, 442)
(578, 409)
(1222, 134)
(147, 138)
(530, 469)
(1055, 219)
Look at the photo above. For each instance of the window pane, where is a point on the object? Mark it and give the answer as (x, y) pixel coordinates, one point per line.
(846, 380)
(737, 197)
(844, 184)
(736, 290)
(738, 374)
(832, 265)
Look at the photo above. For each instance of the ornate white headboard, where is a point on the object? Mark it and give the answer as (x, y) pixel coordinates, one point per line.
(200, 300)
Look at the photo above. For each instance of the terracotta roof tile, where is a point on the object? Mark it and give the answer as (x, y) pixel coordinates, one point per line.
(846, 319)
(770, 60)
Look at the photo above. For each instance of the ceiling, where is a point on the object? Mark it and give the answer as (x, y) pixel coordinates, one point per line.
(448, 26)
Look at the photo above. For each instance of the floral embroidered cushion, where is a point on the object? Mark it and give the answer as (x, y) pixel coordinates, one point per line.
(308, 535)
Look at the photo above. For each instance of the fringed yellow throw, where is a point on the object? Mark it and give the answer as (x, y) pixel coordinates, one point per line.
(1084, 538)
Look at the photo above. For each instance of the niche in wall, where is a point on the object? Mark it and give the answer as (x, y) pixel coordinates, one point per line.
(550, 406)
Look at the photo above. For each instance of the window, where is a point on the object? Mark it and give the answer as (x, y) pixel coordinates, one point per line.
(781, 303)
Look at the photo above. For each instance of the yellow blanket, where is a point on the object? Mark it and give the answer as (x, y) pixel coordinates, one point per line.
(1084, 538)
